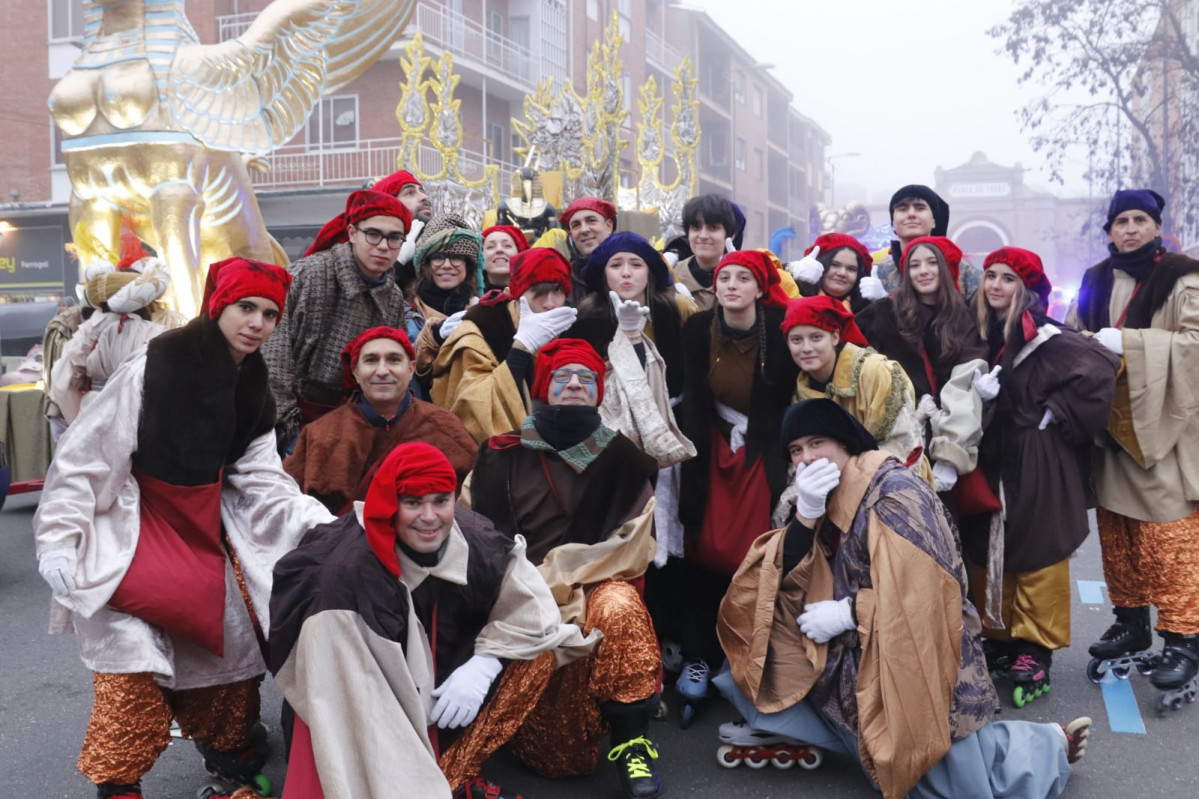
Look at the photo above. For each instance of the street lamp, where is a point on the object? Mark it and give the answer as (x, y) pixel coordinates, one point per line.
(733, 117)
(832, 167)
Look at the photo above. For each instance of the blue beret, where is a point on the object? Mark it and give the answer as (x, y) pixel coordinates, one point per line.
(1146, 200)
(624, 241)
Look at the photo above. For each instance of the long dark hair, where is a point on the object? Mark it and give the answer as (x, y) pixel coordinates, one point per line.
(597, 324)
(951, 317)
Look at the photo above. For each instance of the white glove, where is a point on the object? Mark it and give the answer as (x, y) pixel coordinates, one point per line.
(57, 568)
(1046, 420)
(813, 483)
(1112, 338)
(408, 248)
(871, 288)
(945, 476)
(807, 269)
(535, 330)
(987, 385)
(682, 290)
(825, 620)
(926, 409)
(461, 695)
(728, 244)
(630, 314)
(671, 258)
(450, 325)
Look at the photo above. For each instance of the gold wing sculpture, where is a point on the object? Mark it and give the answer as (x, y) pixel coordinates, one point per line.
(198, 115)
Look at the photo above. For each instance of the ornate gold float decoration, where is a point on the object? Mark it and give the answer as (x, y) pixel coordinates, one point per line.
(669, 197)
(162, 129)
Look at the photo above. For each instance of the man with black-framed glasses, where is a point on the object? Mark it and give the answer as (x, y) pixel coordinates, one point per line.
(339, 289)
(580, 494)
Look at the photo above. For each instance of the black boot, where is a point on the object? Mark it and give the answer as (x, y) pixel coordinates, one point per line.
(108, 790)
(1129, 634)
(1179, 661)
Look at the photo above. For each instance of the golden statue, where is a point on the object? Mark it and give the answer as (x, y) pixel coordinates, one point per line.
(162, 129)
(527, 208)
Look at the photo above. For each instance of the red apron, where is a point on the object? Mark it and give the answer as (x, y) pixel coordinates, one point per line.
(738, 509)
(176, 580)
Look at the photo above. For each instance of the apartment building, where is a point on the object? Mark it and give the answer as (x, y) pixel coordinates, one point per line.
(756, 146)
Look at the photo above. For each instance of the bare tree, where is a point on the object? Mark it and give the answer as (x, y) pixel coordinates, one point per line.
(1121, 84)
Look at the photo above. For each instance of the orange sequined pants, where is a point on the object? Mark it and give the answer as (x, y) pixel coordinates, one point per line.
(562, 735)
(131, 720)
(1148, 563)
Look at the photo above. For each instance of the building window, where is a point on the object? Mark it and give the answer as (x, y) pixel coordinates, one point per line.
(497, 137)
(624, 16)
(740, 154)
(334, 123)
(758, 101)
(718, 148)
(553, 39)
(593, 10)
(759, 163)
(739, 83)
(66, 19)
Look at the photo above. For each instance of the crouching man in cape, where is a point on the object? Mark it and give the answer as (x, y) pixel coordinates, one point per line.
(833, 624)
(395, 625)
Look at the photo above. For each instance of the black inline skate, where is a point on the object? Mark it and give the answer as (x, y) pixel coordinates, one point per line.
(242, 767)
(1126, 645)
(1029, 673)
(1174, 674)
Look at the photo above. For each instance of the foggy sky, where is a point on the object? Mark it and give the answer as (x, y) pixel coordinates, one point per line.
(909, 85)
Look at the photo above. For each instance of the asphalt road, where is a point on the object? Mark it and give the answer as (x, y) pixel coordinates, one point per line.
(45, 699)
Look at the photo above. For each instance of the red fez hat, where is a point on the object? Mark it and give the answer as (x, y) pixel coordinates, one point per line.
(394, 182)
(513, 232)
(236, 278)
(951, 251)
(537, 265)
(831, 242)
(412, 469)
(559, 353)
(825, 313)
(1026, 264)
(359, 205)
(764, 270)
(601, 207)
(351, 351)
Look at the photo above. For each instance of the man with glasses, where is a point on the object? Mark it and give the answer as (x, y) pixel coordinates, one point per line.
(580, 494)
(341, 288)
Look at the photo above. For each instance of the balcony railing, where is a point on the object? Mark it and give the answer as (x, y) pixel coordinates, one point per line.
(230, 26)
(305, 166)
(466, 38)
(661, 53)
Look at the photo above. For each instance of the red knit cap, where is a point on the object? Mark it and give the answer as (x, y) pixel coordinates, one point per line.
(1026, 264)
(559, 353)
(600, 206)
(359, 205)
(764, 271)
(825, 313)
(951, 251)
(412, 469)
(351, 352)
(394, 182)
(236, 278)
(516, 234)
(830, 242)
(537, 265)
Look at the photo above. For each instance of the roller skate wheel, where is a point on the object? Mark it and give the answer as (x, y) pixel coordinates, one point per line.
(1019, 698)
(811, 759)
(686, 715)
(662, 711)
(783, 763)
(1122, 672)
(261, 783)
(1093, 672)
(724, 756)
(757, 761)
(1145, 667)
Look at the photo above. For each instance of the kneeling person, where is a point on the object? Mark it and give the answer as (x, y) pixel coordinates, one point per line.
(406, 593)
(869, 603)
(580, 493)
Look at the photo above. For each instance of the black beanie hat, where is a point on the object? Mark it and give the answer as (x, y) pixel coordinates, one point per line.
(823, 417)
(939, 207)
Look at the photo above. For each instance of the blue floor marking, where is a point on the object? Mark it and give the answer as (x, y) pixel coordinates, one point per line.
(1091, 592)
(1123, 715)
